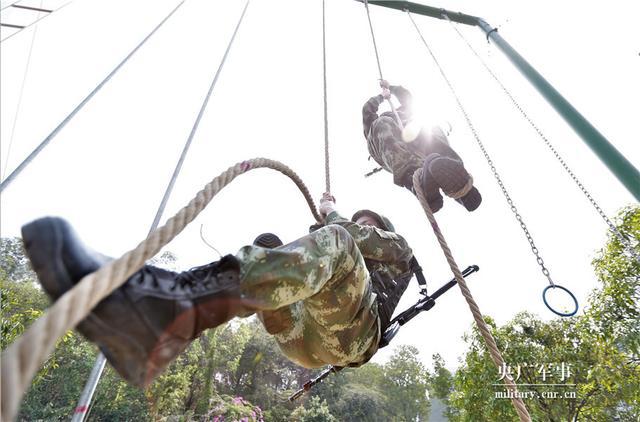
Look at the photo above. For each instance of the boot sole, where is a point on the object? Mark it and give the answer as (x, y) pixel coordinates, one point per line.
(43, 245)
(471, 200)
(44, 242)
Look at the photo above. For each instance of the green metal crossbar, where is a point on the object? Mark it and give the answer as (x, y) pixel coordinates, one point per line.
(617, 163)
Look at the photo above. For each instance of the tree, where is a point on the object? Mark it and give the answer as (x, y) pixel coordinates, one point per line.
(264, 375)
(57, 385)
(472, 397)
(362, 396)
(315, 411)
(441, 381)
(14, 264)
(227, 408)
(612, 318)
(407, 381)
(21, 304)
(362, 403)
(594, 355)
(614, 309)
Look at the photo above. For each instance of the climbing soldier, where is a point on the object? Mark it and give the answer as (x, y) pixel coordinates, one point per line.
(402, 149)
(325, 297)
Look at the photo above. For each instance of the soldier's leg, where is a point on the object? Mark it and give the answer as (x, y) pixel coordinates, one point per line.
(444, 168)
(316, 297)
(144, 324)
(427, 146)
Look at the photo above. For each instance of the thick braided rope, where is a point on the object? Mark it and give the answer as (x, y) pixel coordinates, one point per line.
(473, 306)
(22, 358)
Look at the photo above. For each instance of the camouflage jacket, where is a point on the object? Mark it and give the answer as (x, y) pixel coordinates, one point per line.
(370, 108)
(370, 114)
(386, 255)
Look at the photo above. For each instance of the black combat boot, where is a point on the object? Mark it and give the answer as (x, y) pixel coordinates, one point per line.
(143, 325)
(451, 176)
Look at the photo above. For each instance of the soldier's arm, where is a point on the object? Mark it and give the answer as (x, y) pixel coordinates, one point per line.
(370, 112)
(403, 95)
(374, 243)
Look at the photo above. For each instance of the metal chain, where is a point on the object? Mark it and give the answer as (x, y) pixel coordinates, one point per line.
(512, 206)
(623, 239)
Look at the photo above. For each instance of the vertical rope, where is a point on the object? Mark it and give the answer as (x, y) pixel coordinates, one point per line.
(375, 48)
(326, 118)
(373, 37)
(473, 306)
(495, 354)
(67, 119)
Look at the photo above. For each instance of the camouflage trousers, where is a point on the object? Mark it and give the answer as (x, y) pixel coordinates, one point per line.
(314, 295)
(401, 158)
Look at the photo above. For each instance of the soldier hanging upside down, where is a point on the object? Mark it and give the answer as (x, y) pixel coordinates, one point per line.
(315, 295)
(403, 151)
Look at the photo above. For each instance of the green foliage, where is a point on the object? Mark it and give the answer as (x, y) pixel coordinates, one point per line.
(236, 371)
(315, 411)
(395, 391)
(114, 399)
(227, 408)
(615, 308)
(218, 377)
(599, 348)
(362, 403)
(14, 264)
(441, 380)
(57, 385)
(406, 377)
(360, 393)
(21, 304)
(473, 396)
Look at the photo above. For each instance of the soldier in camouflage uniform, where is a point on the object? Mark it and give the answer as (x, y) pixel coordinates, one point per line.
(403, 151)
(314, 294)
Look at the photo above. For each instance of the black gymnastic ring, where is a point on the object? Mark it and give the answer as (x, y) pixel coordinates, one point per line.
(562, 314)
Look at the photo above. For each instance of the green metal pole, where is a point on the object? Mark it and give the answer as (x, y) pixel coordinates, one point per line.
(626, 173)
(421, 9)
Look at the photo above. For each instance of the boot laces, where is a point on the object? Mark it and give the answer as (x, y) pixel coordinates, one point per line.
(197, 276)
(148, 273)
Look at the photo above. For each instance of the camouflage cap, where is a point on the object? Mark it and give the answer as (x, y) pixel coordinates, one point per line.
(383, 222)
(267, 240)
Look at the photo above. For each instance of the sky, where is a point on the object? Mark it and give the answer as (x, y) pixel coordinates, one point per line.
(106, 171)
